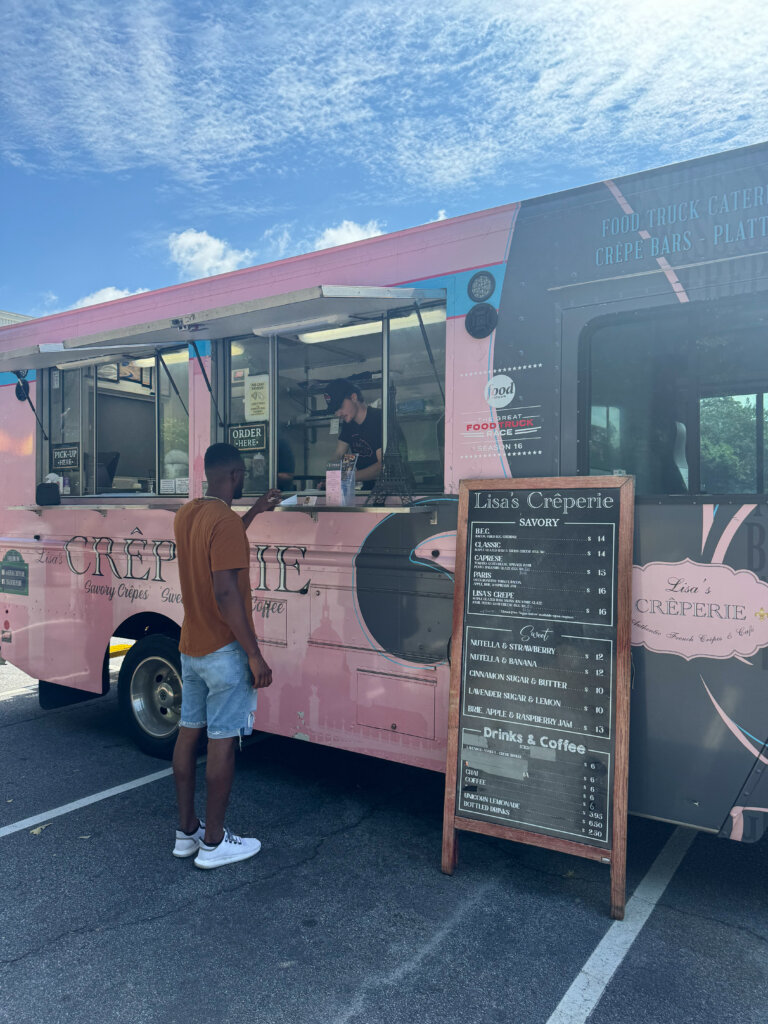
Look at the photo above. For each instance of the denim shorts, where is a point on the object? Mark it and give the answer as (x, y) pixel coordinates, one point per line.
(217, 691)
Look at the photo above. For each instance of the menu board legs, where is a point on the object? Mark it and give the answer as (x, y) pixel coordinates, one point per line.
(450, 851)
(539, 705)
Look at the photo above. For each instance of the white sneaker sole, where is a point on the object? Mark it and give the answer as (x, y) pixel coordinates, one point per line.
(232, 858)
(186, 853)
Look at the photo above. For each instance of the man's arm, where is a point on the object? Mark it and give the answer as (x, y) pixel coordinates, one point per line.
(265, 503)
(229, 601)
(371, 472)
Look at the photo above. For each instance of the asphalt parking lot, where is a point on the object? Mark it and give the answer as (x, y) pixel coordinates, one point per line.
(345, 915)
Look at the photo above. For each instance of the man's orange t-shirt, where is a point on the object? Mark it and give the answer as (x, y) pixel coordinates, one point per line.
(209, 537)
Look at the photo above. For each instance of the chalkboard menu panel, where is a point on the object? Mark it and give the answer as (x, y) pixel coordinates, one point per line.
(539, 685)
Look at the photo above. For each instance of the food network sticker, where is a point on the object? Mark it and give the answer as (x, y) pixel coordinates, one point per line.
(500, 391)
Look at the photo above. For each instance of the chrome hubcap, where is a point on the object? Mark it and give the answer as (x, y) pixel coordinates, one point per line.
(156, 697)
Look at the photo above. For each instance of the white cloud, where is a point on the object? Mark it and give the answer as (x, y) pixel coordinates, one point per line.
(441, 215)
(465, 93)
(347, 231)
(102, 295)
(198, 254)
(277, 242)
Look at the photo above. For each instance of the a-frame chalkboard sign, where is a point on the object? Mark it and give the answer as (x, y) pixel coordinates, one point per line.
(538, 730)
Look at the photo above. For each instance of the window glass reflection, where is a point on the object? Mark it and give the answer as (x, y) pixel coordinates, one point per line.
(419, 429)
(249, 400)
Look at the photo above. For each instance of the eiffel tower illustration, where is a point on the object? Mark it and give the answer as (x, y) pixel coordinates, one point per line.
(394, 481)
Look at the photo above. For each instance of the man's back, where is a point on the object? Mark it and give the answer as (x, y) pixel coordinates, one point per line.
(210, 537)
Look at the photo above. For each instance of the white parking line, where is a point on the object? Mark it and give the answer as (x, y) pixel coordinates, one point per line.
(7, 694)
(105, 794)
(587, 990)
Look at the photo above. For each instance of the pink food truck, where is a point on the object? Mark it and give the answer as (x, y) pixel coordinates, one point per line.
(616, 328)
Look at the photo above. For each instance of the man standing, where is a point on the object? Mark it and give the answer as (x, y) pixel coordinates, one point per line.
(221, 664)
(361, 429)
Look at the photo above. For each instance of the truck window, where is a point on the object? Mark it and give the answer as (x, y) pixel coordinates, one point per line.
(66, 431)
(173, 422)
(732, 432)
(306, 431)
(307, 428)
(122, 459)
(248, 408)
(419, 395)
(677, 397)
(121, 427)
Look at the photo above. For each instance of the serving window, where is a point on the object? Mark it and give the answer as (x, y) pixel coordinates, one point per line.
(248, 408)
(120, 427)
(278, 415)
(306, 426)
(678, 397)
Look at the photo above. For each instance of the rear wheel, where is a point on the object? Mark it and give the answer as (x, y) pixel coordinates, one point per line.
(149, 693)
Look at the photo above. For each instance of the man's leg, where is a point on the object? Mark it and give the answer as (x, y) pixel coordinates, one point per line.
(219, 772)
(184, 771)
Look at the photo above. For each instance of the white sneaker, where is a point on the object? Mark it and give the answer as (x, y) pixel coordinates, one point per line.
(187, 846)
(231, 849)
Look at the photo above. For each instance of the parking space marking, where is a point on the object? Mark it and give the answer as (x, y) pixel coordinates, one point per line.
(105, 794)
(7, 694)
(587, 990)
(255, 740)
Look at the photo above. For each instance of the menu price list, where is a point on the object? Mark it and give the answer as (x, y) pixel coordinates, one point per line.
(539, 676)
(535, 781)
(561, 571)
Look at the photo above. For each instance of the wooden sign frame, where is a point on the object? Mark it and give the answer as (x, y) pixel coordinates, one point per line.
(614, 854)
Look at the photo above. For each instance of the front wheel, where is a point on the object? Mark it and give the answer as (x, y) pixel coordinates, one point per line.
(149, 694)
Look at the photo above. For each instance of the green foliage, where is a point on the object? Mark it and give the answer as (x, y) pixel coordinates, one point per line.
(728, 447)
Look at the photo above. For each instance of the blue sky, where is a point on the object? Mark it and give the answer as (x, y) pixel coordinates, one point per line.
(154, 142)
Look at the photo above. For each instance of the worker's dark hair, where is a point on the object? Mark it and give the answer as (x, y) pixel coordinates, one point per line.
(338, 390)
(222, 456)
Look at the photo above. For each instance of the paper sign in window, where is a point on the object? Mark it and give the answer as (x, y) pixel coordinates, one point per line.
(257, 397)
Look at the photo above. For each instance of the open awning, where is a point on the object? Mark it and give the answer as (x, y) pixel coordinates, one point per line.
(323, 305)
(39, 357)
(287, 314)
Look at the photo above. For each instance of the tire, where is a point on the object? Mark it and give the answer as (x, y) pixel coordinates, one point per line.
(149, 694)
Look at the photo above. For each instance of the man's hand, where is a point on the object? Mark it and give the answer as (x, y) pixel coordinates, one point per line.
(267, 501)
(262, 673)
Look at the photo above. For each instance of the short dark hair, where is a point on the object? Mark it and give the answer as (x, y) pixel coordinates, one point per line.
(337, 390)
(221, 456)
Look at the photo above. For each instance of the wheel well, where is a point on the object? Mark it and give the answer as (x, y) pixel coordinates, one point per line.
(137, 626)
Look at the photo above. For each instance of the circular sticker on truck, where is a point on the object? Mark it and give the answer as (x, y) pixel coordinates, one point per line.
(499, 391)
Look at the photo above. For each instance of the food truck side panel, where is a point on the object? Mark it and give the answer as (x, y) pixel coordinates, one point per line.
(355, 631)
(354, 611)
(17, 466)
(700, 661)
(657, 284)
(17, 441)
